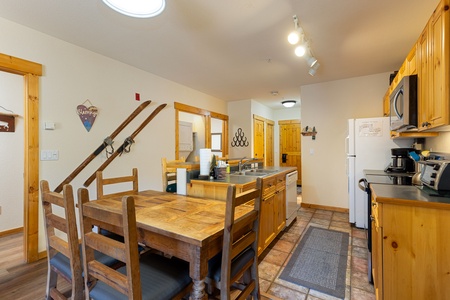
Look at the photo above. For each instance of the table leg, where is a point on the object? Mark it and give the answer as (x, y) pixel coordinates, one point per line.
(198, 290)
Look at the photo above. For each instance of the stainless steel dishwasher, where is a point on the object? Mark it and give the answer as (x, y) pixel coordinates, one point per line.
(292, 206)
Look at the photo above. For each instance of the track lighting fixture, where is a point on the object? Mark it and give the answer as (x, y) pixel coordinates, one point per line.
(303, 49)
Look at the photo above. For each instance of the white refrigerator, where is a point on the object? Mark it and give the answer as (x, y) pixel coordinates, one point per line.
(368, 146)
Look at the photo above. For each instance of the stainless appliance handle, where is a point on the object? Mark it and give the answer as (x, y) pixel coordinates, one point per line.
(364, 187)
(400, 91)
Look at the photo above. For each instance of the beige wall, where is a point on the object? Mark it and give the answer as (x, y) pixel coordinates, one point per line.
(72, 75)
(11, 153)
(327, 106)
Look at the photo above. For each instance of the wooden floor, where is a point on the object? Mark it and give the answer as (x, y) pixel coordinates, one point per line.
(19, 280)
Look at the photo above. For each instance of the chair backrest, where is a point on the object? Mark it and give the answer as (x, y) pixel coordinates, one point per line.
(169, 174)
(125, 251)
(101, 182)
(241, 235)
(68, 246)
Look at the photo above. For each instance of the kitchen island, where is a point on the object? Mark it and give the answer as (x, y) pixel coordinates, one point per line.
(273, 204)
(410, 243)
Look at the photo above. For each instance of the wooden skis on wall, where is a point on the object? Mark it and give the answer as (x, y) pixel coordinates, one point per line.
(126, 144)
(106, 142)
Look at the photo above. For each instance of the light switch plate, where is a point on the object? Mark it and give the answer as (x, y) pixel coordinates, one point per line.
(49, 154)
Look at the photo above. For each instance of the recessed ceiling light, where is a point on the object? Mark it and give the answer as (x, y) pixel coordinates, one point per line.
(137, 8)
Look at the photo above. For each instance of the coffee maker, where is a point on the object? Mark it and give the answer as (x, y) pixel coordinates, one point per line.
(401, 162)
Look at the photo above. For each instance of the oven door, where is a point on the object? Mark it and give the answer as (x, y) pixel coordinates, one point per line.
(364, 185)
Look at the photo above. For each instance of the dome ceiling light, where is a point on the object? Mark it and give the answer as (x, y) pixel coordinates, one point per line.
(288, 103)
(137, 8)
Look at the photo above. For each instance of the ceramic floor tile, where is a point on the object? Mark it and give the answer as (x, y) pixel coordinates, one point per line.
(321, 222)
(285, 293)
(361, 252)
(361, 233)
(359, 280)
(359, 242)
(359, 264)
(283, 246)
(276, 257)
(358, 294)
(268, 271)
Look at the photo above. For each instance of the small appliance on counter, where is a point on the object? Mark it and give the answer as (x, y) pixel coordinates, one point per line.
(401, 161)
(436, 174)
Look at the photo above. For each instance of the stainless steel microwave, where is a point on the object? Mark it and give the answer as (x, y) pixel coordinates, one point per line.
(403, 105)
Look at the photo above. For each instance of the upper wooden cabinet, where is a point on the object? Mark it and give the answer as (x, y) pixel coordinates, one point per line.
(433, 71)
(429, 59)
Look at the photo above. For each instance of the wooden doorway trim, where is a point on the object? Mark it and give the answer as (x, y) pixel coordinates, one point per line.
(30, 72)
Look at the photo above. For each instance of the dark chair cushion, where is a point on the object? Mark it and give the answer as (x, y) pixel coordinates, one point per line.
(171, 188)
(215, 264)
(62, 263)
(161, 278)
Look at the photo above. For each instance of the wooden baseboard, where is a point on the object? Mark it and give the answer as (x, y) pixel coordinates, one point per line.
(42, 254)
(11, 231)
(332, 208)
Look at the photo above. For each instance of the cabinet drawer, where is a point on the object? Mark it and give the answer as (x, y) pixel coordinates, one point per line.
(269, 186)
(280, 182)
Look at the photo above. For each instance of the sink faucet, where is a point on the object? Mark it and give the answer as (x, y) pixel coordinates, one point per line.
(241, 165)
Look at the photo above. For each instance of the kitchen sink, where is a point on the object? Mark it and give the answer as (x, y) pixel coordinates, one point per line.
(248, 173)
(266, 171)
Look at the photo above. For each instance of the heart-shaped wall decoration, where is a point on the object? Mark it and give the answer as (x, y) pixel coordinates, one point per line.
(87, 115)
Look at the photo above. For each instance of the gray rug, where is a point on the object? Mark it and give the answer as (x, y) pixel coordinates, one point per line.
(320, 261)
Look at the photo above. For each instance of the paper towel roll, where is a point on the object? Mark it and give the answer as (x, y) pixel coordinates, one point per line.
(205, 161)
(181, 181)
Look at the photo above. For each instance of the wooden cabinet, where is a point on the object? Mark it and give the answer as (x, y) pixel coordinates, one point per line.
(410, 251)
(411, 61)
(386, 104)
(433, 71)
(273, 210)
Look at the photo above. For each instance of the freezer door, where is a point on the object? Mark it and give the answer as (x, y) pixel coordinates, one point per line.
(350, 139)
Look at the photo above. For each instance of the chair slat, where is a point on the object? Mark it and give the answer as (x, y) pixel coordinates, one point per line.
(130, 179)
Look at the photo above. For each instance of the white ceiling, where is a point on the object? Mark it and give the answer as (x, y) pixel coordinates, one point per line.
(237, 49)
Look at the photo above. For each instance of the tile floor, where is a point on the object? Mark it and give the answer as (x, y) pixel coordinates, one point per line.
(276, 256)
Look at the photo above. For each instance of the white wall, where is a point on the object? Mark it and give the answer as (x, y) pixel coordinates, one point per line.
(327, 106)
(240, 116)
(72, 75)
(11, 153)
(440, 143)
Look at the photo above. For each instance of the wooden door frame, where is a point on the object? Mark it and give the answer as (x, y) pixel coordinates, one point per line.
(31, 72)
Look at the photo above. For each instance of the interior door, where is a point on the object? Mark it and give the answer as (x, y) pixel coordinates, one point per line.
(258, 137)
(269, 144)
(290, 145)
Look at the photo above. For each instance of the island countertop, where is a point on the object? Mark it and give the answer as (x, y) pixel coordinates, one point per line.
(408, 195)
(244, 179)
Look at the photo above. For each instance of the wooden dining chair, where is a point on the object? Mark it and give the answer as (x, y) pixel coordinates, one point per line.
(149, 276)
(63, 245)
(131, 180)
(235, 270)
(63, 252)
(169, 174)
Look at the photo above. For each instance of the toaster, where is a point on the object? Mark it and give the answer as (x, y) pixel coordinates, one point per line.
(436, 174)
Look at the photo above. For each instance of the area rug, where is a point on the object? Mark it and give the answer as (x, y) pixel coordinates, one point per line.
(320, 261)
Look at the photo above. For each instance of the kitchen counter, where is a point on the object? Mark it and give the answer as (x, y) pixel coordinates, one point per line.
(383, 173)
(408, 195)
(244, 179)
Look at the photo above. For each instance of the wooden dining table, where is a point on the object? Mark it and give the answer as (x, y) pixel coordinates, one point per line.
(182, 226)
